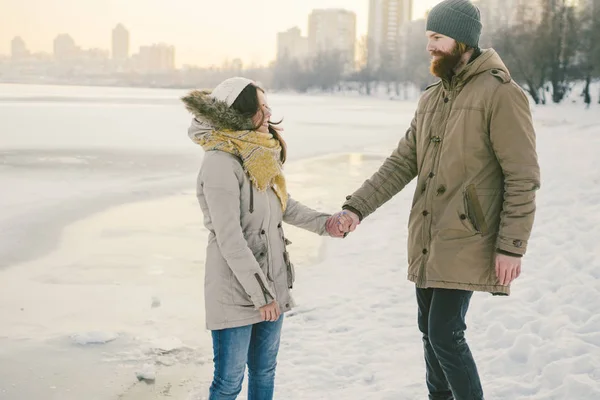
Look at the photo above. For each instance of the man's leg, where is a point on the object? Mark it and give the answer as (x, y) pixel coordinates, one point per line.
(262, 359)
(230, 348)
(438, 386)
(447, 337)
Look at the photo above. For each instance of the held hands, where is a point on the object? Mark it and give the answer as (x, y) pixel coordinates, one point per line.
(342, 223)
(270, 312)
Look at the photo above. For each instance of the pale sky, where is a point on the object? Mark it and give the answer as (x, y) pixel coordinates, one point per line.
(204, 32)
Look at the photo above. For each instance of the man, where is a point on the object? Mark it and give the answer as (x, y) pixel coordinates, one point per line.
(471, 146)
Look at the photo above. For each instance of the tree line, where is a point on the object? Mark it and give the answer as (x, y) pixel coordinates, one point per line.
(548, 46)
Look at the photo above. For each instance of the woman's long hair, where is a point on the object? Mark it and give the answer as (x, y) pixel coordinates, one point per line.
(247, 104)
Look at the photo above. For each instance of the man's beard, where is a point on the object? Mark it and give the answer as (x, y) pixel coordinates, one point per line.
(443, 66)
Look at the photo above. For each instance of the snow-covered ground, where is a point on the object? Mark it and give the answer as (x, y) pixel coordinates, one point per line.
(119, 297)
(354, 335)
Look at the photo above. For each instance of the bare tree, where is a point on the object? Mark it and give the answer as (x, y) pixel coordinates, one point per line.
(589, 54)
(528, 48)
(595, 33)
(282, 73)
(327, 69)
(386, 68)
(558, 38)
(414, 64)
(365, 75)
(524, 57)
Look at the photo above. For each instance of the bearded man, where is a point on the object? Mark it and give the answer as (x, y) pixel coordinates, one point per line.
(471, 146)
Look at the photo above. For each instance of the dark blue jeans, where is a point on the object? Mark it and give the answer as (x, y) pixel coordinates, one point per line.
(451, 370)
(256, 345)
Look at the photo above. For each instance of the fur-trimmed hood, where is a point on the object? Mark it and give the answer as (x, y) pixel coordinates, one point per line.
(212, 114)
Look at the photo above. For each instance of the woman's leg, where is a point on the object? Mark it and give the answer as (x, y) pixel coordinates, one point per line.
(262, 359)
(230, 348)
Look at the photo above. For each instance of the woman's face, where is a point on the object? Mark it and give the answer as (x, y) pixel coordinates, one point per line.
(261, 118)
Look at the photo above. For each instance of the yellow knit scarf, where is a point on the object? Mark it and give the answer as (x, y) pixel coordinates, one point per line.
(260, 154)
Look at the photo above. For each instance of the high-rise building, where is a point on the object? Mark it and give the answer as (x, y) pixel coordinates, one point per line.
(333, 30)
(291, 44)
(386, 19)
(120, 43)
(158, 58)
(18, 49)
(236, 64)
(65, 49)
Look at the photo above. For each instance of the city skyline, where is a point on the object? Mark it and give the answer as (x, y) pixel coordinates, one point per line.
(186, 25)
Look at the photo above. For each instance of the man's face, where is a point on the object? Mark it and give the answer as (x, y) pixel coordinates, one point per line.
(445, 54)
(438, 44)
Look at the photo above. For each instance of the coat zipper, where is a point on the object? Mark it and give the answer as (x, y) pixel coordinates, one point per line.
(269, 256)
(286, 258)
(251, 198)
(263, 288)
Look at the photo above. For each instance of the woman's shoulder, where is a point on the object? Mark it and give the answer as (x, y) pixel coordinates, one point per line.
(220, 157)
(220, 163)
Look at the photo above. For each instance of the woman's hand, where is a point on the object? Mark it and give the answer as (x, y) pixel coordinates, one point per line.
(333, 226)
(342, 223)
(270, 312)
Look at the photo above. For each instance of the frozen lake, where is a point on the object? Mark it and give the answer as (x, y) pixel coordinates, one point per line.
(102, 253)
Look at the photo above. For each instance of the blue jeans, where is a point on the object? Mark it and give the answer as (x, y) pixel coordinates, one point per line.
(256, 345)
(451, 370)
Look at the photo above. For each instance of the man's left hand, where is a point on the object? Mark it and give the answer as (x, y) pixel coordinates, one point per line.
(507, 268)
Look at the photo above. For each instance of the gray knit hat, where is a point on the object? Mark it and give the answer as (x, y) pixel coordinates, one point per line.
(458, 19)
(229, 90)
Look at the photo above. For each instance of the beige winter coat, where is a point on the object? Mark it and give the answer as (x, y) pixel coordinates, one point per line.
(471, 146)
(247, 263)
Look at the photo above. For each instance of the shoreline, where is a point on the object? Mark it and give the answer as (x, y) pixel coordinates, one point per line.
(40, 234)
(102, 280)
(41, 242)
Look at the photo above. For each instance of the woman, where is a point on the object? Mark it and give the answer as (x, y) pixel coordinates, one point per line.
(242, 193)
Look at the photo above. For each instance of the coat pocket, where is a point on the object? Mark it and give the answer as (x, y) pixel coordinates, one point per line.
(475, 211)
(239, 297)
(289, 267)
(258, 245)
(291, 273)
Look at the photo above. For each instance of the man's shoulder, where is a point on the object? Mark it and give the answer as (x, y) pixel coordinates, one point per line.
(499, 87)
(503, 85)
(500, 75)
(433, 85)
(430, 92)
(496, 83)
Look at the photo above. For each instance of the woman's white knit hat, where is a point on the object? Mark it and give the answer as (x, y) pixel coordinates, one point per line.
(230, 89)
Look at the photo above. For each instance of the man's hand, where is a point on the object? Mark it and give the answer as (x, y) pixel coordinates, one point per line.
(270, 312)
(507, 268)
